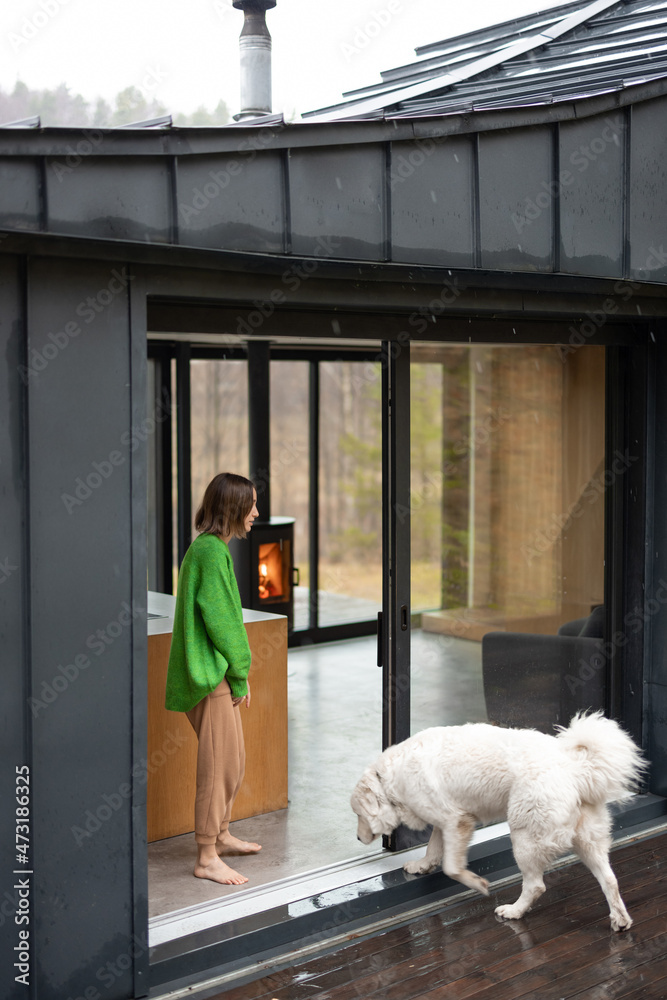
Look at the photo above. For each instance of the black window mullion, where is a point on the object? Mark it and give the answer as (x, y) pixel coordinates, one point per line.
(183, 449)
(625, 532)
(165, 513)
(395, 623)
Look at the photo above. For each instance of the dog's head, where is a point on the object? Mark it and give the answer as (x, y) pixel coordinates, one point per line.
(376, 815)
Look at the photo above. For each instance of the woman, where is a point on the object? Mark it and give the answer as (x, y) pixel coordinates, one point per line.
(208, 668)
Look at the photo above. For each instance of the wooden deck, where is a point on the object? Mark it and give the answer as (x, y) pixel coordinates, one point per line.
(563, 948)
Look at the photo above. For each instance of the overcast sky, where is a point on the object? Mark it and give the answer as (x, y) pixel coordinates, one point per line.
(185, 54)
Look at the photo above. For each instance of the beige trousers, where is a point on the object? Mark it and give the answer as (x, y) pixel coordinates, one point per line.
(220, 761)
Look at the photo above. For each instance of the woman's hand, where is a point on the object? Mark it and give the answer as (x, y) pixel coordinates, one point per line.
(244, 698)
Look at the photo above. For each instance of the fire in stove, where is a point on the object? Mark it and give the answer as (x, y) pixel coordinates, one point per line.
(273, 571)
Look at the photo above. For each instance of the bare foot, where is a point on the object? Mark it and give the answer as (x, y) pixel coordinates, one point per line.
(227, 843)
(218, 871)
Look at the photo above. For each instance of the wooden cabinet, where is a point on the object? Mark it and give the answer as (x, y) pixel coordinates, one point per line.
(172, 743)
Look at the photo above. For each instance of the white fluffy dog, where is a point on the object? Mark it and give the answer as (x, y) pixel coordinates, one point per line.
(552, 790)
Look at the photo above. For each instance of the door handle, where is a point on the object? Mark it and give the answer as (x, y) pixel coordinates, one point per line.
(380, 644)
(404, 617)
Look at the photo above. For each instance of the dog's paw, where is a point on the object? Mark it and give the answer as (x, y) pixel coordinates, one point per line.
(418, 867)
(621, 923)
(482, 885)
(473, 882)
(510, 911)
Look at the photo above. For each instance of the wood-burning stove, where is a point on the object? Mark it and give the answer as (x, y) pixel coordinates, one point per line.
(264, 567)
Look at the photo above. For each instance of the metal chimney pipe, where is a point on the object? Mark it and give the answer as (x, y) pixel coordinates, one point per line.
(255, 51)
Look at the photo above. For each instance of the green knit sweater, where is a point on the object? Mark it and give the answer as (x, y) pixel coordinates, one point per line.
(209, 640)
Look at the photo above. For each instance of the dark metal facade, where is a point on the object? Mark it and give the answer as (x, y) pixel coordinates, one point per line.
(73, 619)
(579, 195)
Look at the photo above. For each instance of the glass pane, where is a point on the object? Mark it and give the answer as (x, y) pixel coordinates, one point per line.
(219, 408)
(426, 406)
(290, 466)
(350, 571)
(508, 482)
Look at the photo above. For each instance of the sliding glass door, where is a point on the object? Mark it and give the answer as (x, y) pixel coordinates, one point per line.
(508, 482)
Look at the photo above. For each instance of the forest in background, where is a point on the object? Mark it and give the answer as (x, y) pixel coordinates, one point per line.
(59, 107)
(350, 477)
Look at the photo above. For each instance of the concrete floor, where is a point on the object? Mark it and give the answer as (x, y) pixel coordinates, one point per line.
(335, 727)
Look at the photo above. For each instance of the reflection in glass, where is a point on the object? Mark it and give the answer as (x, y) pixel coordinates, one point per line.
(508, 483)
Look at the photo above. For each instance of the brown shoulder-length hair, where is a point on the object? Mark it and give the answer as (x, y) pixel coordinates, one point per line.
(228, 499)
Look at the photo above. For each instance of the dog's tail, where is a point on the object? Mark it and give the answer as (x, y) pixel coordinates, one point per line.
(611, 764)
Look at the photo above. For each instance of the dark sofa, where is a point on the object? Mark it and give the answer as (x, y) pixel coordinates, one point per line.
(539, 681)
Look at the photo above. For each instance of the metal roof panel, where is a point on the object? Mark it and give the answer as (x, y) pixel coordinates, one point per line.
(573, 50)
